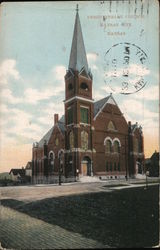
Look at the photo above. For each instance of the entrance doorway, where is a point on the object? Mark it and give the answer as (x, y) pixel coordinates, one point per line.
(86, 166)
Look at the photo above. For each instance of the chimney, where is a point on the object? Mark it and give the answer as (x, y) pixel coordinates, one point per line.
(55, 118)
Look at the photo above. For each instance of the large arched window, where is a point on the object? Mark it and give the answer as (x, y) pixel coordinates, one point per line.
(84, 140)
(108, 147)
(116, 147)
(108, 144)
(71, 140)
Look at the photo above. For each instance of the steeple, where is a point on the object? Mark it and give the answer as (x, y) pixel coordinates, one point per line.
(78, 59)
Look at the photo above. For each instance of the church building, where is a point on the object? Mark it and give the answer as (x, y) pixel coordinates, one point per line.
(91, 138)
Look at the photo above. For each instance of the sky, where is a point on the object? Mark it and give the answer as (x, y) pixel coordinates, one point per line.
(36, 39)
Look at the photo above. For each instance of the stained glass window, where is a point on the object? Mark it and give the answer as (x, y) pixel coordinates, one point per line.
(84, 140)
(108, 146)
(116, 147)
(84, 115)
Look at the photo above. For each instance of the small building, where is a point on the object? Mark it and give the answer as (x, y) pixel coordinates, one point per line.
(152, 165)
(17, 174)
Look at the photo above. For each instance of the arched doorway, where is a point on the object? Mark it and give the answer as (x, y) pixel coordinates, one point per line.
(86, 166)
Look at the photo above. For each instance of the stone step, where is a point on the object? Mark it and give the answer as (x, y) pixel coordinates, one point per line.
(89, 179)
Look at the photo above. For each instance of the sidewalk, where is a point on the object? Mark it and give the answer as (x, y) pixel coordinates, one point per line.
(20, 231)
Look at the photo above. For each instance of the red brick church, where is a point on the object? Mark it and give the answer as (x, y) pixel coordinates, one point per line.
(91, 138)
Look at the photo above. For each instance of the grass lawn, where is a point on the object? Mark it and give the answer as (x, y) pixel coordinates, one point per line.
(123, 218)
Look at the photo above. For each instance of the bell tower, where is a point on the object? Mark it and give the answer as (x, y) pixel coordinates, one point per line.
(78, 105)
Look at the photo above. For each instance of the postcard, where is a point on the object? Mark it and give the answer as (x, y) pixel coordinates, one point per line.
(79, 91)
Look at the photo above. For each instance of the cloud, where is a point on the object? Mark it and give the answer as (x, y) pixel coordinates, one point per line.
(47, 115)
(23, 128)
(8, 71)
(92, 60)
(33, 96)
(92, 57)
(7, 95)
(149, 94)
(58, 72)
(131, 106)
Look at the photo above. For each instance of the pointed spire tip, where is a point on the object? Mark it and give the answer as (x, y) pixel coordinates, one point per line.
(77, 8)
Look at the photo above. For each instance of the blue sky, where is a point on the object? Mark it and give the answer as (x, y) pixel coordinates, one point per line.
(36, 39)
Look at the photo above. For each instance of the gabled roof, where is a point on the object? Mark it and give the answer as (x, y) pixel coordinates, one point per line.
(17, 171)
(61, 126)
(78, 58)
(99, 105)
(47, 136)
(62, 119)
(155, 156)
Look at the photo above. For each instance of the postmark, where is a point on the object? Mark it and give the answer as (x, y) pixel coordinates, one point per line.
(126, 68)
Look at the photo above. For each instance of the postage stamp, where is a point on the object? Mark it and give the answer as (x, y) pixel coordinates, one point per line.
(126, 66)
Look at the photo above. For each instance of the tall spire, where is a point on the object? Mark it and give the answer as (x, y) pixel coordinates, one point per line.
(78, 58)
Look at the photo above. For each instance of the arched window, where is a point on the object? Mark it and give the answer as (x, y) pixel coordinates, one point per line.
(84, 86)
(108, 146)
(111, 126)
(51, 160)
(116, 147)
(71, 140)
(84, 140)
(51, 155)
